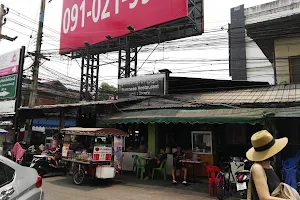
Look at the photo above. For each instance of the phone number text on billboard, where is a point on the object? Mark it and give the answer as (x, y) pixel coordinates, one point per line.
(98, 12)
(93, 20)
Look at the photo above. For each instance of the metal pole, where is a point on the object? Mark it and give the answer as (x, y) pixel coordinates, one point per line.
(135, 60)
(82, 73)
(19, 93)
(127, 60)
(120, 64)
(97, 78)
(35, 72)
(87, 75)
(92, 73)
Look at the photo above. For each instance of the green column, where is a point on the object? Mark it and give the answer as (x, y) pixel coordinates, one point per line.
(152, 138)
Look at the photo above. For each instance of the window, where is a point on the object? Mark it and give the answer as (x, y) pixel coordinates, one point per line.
(6, 174)
(294, 64)
(202, 142)
(2, 175)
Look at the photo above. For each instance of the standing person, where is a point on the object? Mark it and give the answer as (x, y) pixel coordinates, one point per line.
(177, 165)
(263, 178)
(155, 163)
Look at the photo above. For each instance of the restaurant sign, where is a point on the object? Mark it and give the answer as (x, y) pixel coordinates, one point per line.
(9, 63)
(150, 85)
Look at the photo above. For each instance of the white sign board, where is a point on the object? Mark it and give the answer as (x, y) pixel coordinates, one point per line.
(7, 107)
(102, 153)
(9, 63)
(142, 85)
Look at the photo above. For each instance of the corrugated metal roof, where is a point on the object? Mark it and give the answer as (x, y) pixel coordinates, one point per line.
(273, 94)
(243, 115)
(84, 103)
(159, 102)
(265, 95)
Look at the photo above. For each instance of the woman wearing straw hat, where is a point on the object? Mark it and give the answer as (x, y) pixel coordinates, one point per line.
(263, 178)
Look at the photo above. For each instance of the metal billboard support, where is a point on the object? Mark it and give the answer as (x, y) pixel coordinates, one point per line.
(127, 61)
(89, 87)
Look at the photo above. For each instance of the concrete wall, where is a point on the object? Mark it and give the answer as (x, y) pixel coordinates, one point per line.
(258, 66)
(285, 48)
(237, 44)
(272, 10)
(247, 61)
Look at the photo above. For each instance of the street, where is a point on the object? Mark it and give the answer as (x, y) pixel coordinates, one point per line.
(63, 188)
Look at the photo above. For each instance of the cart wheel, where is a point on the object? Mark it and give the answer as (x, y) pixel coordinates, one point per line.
(78, 176)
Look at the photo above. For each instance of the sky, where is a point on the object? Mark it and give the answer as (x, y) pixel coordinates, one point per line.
(204, 56)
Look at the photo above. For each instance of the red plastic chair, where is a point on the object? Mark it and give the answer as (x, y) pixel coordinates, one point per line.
(212, 171)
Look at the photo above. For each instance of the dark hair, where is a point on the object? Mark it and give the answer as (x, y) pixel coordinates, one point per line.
(271, 159)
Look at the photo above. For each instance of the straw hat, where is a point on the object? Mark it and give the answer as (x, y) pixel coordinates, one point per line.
(265, 146)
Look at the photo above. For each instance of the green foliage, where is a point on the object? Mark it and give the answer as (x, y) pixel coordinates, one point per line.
(106, 90)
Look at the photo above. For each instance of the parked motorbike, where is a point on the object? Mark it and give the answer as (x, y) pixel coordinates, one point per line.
(233, 179)
(48, 164)
(242, 178)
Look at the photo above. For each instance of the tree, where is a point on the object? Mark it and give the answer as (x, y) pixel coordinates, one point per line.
(106, 90)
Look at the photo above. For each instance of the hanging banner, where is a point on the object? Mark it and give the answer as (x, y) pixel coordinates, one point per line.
(9, 63)
(118, 158)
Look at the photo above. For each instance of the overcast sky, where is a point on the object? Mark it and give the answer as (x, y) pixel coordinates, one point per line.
(192, 57)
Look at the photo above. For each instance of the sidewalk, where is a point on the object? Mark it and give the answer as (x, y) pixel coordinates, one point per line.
(200, 186)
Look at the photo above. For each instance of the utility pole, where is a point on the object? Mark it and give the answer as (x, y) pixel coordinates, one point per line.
(4, 12)
(35, 71)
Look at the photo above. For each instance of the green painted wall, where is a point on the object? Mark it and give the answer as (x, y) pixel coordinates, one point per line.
(152, 138)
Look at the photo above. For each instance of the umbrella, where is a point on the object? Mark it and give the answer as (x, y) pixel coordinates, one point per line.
(3, 132)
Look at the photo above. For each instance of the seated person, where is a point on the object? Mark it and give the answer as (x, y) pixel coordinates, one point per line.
(154, 163)
(177, 165)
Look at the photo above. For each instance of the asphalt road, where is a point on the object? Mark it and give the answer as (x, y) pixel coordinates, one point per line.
(57, 188)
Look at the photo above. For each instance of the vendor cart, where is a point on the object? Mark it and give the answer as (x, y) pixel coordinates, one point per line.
(92, 152)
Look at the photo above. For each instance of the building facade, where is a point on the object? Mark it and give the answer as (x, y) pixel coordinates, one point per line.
(264, 43)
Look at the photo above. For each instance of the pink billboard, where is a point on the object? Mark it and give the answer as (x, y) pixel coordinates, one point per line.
(9, 63)
(94, 20)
